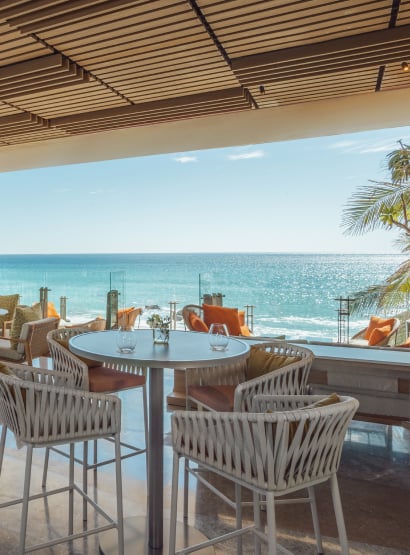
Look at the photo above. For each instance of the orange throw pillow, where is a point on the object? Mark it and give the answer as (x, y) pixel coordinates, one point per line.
(197, 323)
(378, 334)
(376, 322)
(214, 314)
(241, 316)
(245, 331)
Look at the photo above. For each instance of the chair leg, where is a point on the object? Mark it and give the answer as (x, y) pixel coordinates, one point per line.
(24, 506)
(337, 506)
(271, 524)
(257, 520)
(315, 520)
(174, 505)
(186, 488)
(118, 480)
(2, 444)
(85, 478)
(145, 408)
(238, 510)
(95, 460)
(45, 467)
(71, 491)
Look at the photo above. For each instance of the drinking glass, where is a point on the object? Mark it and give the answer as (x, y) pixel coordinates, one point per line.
(126, 340)
(218, 337)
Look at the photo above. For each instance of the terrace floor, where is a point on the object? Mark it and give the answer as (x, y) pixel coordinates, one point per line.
(374, 480)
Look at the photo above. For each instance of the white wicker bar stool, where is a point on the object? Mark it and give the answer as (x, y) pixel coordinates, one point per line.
(96, 378)
(233, 387)
(42, 413)
(272, 454)
(273, 368)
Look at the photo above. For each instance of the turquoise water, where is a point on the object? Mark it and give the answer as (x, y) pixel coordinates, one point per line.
(293, 294)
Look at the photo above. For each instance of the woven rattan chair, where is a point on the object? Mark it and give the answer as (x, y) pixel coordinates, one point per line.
(187, 309)
(32, 342)
(42, 413)
(97, 324)
(128, 316)
(226, 387)
(9, 303)
(289, 449)
(97, 378)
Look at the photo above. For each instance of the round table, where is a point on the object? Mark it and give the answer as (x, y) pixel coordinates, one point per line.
(185, 350)
(3, 311)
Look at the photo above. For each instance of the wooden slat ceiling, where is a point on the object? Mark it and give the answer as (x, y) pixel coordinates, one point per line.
(70, 67)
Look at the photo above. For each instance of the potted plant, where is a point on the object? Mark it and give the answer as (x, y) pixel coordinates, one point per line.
(160, 328)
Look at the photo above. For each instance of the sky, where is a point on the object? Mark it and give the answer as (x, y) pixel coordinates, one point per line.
(278, 197)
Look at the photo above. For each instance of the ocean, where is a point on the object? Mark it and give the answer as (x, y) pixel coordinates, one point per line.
(292, 294)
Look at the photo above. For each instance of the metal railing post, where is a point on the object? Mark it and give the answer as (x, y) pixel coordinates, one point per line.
(112, 309)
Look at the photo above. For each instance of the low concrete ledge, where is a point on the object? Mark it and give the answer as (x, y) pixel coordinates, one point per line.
(378, 377)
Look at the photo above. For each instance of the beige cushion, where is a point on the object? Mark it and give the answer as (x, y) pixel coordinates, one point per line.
(4, 369)
(331, 399)
(10, 354)
(22, 315)
(261, 362)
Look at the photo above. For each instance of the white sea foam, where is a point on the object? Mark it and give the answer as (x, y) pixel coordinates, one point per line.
(292, 294)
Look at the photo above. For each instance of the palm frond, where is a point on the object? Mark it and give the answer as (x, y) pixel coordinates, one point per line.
(390, 295)
(398, 163)
(367, 207)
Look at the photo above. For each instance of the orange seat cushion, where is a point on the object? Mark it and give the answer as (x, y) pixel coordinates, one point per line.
(197, 323)
(214, 314)
(378, 334)
(241, 316)
(376, 322)
(216, 397)
(107, 380)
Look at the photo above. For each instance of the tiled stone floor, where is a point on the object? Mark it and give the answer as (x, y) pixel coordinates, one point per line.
(374, 479)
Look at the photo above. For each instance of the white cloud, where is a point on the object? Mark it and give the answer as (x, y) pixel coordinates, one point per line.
(246, 155)
(186, 159)
(345, 145)
(379, 147)
(97, 192)
(367, 147)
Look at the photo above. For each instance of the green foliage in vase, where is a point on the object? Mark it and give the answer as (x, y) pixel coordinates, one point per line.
(156, 321)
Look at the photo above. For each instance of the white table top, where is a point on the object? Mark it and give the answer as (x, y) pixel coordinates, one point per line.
(185, 349)
(3, 311)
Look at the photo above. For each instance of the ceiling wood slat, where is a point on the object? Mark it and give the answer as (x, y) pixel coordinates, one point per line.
(86, 66)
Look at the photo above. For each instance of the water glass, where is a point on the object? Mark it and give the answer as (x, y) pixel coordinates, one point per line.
(218, 337)
(126, 340)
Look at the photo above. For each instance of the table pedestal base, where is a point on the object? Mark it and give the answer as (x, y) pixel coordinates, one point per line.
(136, 543)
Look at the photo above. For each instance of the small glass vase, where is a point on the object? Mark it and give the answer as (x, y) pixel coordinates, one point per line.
(218, 337)
(160, 336)
(126, 340)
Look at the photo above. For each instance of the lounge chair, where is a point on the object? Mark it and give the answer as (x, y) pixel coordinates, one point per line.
(8, 303)
(378, 333)
(199, 318)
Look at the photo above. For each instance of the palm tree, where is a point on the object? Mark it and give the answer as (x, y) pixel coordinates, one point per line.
(384, 205)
